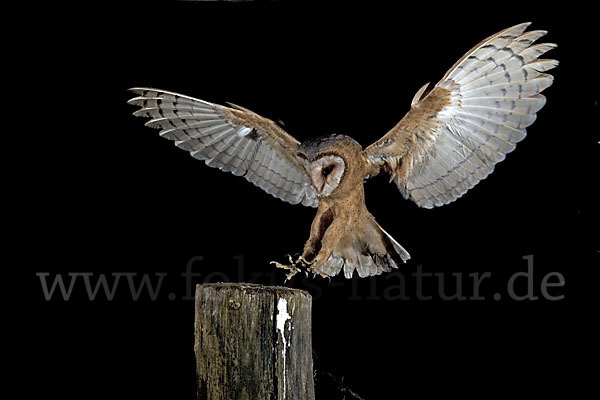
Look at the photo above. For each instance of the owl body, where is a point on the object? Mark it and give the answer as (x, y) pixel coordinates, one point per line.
(344, 235)
(450, 139)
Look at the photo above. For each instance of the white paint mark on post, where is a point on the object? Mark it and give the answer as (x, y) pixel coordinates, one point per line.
(282, 317)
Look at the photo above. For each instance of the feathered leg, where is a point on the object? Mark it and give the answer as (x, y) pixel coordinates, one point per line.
(325, 233)
(328, 243)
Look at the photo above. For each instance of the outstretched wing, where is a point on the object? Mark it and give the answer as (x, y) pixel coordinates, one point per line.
(234, 140)
(452, 137)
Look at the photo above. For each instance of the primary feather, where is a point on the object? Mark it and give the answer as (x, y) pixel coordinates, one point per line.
(453, 137)
(233, 140)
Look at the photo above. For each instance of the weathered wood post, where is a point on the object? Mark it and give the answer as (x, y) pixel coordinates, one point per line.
(253, 342)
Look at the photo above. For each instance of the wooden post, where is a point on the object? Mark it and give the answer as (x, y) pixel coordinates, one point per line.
(253, 342)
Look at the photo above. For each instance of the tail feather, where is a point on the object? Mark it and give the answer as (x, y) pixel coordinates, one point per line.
(372, 254)
(398, 250)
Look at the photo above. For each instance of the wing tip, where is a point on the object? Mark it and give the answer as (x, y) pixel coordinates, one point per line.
(518, 28)
(141, 90)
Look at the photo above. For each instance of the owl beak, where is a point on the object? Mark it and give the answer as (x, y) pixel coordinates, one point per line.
(321, 188)
(318, 187)
(317, 179)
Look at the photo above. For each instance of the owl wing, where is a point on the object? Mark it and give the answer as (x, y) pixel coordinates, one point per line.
(453, 136)
(231, 139)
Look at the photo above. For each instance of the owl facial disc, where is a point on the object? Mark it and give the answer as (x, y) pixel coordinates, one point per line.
(326, 173)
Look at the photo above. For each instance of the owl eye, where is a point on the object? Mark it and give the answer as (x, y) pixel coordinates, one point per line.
(327, 170)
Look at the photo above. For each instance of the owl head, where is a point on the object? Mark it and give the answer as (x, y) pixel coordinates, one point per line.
(328, 161)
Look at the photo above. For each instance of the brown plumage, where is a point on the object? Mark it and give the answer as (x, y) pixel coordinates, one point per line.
(450, 139)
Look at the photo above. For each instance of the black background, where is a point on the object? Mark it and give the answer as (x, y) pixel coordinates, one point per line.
(96, 191)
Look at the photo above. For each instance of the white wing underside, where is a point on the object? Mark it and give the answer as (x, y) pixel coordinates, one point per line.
(210, 133)
(494, 96)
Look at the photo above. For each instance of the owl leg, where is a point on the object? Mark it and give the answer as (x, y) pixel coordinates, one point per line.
(329, 242)
(325, 233)
(311, 246)
(310, 251)
(319, 226)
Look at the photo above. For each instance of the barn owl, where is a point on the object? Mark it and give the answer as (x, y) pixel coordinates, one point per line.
(449, 140)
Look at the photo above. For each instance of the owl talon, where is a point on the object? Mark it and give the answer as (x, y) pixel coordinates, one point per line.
(302, 260)
(290, 275)
(292, 268)
(297, 266)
